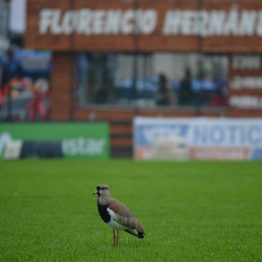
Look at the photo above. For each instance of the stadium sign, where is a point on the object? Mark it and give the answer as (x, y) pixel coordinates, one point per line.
(178, 26)
(245, 85)
(246, 82)
(203, 23)
(246, 101)
(197, 138)
(213, 23)
(97, 22)
(55, 140)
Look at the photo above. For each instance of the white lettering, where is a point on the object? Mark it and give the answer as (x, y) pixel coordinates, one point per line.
(202, 23)
(5, 138)
(187, 23)
(45, 20)
(247, 23)
(216, 23)
(56, 29)
(246, 102)
(98, 22)
(231, 24)
(83, 146)
(196, 23)
(128, 22)
(259, 24)
(69, 22)
(84, 22)
(112, 24)
(172, 23)
(148, 22)
(247, 82)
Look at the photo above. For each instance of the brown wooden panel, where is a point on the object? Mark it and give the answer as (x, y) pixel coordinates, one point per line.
(121, 115)
(119, 141)
(121, 129)
(170, 112)
(233, 112)
(91, 114)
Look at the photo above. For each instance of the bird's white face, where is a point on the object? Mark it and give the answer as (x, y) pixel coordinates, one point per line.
(102, 190)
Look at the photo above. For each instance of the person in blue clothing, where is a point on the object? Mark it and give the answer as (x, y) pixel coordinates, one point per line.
(202, 88)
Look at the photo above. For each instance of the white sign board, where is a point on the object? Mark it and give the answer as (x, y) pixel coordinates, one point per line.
(199, 138)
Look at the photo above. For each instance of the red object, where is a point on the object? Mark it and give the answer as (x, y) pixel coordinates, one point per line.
(37, 107)
(1, 98)
(218, 100)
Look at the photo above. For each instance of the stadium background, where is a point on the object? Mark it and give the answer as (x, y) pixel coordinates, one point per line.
(167, 69)
(186, 86)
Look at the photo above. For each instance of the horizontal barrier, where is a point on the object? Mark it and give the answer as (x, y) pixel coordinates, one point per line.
(54, 140)
(197, 138)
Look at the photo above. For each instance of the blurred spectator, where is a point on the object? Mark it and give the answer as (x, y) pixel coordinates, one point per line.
(185, 93)
(162, 93)
(202, 87)
(217, 98)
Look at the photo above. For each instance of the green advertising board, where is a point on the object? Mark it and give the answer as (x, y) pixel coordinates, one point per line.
(82, 140)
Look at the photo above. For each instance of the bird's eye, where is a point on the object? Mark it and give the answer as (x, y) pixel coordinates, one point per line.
(98, 188)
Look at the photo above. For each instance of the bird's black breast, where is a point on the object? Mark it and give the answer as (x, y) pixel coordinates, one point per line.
(103, 212)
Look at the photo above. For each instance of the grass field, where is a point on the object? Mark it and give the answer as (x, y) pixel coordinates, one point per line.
(192, 211)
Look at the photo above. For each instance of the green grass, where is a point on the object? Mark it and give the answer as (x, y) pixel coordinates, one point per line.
(192, 211)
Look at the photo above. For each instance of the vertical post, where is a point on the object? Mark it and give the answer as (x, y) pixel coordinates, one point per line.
(10, 102)
(72, 72)
(200, 51)
(135, 53)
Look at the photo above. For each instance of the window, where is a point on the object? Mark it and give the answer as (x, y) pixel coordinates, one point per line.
(152, 79)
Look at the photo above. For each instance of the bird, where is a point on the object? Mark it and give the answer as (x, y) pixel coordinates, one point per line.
(116, 214)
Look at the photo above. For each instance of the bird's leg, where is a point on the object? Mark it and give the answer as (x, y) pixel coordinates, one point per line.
(117, 236)
(114, 238)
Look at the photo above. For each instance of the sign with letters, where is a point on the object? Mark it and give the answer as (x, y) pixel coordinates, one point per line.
(201, 138)
(145, 21)
(57, 140)
(83, 23)
(245, 83)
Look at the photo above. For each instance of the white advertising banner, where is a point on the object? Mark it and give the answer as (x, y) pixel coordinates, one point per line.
(197, 138)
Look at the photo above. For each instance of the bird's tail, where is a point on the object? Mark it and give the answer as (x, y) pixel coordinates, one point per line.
(141, 235)
(136, 233)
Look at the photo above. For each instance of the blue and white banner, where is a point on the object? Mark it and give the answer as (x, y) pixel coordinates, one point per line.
(197, 138)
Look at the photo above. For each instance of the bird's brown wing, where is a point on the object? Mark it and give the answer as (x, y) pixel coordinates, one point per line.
(124, 216)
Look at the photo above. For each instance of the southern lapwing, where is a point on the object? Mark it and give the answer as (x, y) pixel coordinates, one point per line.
(117, 215)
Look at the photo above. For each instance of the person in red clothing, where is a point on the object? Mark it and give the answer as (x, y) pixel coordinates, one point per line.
(217, 99)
